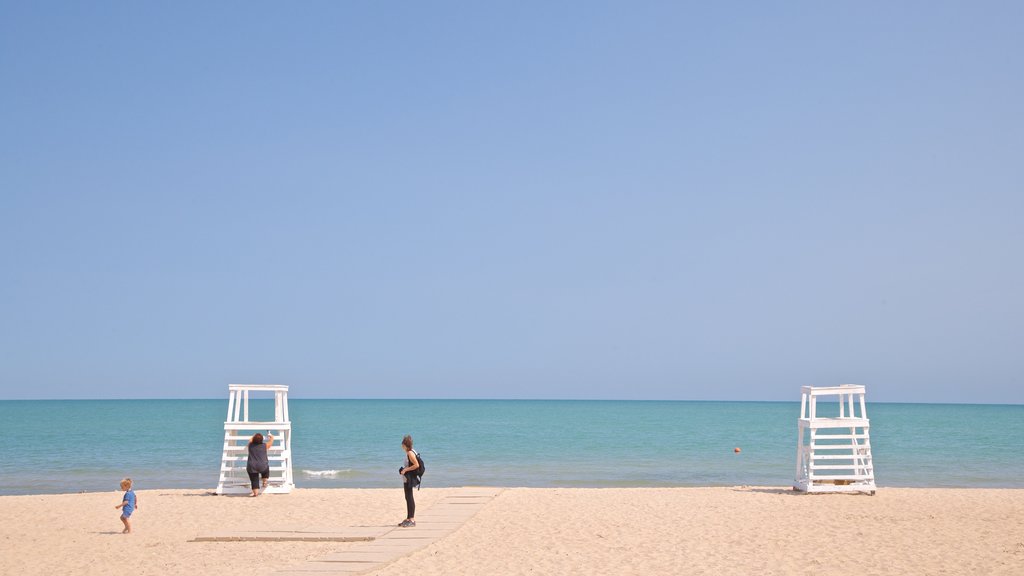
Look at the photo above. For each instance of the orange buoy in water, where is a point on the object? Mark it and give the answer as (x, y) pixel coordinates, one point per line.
(736, 450)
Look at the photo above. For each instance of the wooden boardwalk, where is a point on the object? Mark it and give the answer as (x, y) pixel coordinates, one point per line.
(385, 545)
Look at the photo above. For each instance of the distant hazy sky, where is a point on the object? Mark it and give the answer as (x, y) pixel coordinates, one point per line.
(716, 200)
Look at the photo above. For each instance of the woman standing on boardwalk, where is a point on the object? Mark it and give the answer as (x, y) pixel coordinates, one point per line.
(412, 463)
(257, 464)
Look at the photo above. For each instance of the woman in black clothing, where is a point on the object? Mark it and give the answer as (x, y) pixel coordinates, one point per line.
(257, 464)
(411, 463)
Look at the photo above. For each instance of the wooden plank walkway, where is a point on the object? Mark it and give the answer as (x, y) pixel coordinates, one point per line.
(444, 517)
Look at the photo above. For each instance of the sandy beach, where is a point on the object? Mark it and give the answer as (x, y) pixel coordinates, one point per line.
(738, 530)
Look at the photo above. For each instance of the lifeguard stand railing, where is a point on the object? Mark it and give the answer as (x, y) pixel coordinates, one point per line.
(239, 429)
(833, 451)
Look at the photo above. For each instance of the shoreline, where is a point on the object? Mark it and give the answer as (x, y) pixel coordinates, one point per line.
(210, 491)
(691, 530)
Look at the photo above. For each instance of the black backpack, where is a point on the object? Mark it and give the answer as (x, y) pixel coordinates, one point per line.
(419, 471)
(416, 475)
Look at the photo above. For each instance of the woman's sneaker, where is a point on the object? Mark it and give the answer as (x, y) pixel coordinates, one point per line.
(407, 524)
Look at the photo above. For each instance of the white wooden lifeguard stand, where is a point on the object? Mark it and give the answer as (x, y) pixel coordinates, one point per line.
(833, 454)
(238, 430)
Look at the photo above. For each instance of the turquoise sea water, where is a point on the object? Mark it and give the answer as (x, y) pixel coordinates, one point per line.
(69, 446)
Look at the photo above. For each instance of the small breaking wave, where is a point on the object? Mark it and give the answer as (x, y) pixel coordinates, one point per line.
(326, 473)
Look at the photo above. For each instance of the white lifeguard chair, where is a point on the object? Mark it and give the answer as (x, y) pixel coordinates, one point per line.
(238, 430)
(833, 453)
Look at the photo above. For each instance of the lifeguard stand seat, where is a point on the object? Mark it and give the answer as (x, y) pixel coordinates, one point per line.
(238, 430)
(833, 451)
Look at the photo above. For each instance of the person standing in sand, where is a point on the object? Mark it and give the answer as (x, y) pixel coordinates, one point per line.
(258, 465)
(412, 463)
(128, 505)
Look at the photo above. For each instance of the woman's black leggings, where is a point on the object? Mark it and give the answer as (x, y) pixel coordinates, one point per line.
(410, 504)
(254, 478)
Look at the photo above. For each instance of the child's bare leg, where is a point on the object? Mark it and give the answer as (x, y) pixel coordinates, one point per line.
(127, 525)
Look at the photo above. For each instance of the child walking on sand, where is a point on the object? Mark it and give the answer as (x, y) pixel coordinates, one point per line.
(128, 505)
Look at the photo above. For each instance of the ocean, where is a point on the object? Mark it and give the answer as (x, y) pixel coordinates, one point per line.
(63, 446)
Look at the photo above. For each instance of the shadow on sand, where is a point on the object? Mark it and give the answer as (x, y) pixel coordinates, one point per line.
(780, 491)
(199, 494)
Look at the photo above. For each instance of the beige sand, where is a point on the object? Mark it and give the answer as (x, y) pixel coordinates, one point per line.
(539, 531)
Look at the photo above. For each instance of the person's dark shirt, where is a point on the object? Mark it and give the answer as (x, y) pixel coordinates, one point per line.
(257, 458)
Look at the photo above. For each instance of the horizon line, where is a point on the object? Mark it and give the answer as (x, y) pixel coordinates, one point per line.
(497, 400)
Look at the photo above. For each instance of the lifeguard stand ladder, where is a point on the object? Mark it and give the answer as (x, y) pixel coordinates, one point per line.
(238, 430)
(833, 453)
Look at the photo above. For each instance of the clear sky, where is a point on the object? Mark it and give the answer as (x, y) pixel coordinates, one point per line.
(721, 200)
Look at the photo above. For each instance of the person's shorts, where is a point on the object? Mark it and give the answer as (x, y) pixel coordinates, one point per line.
(254, 478)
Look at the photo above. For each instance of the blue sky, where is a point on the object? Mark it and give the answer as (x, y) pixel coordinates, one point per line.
(529, 200)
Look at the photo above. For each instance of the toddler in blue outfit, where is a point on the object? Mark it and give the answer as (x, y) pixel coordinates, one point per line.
(128, 505)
